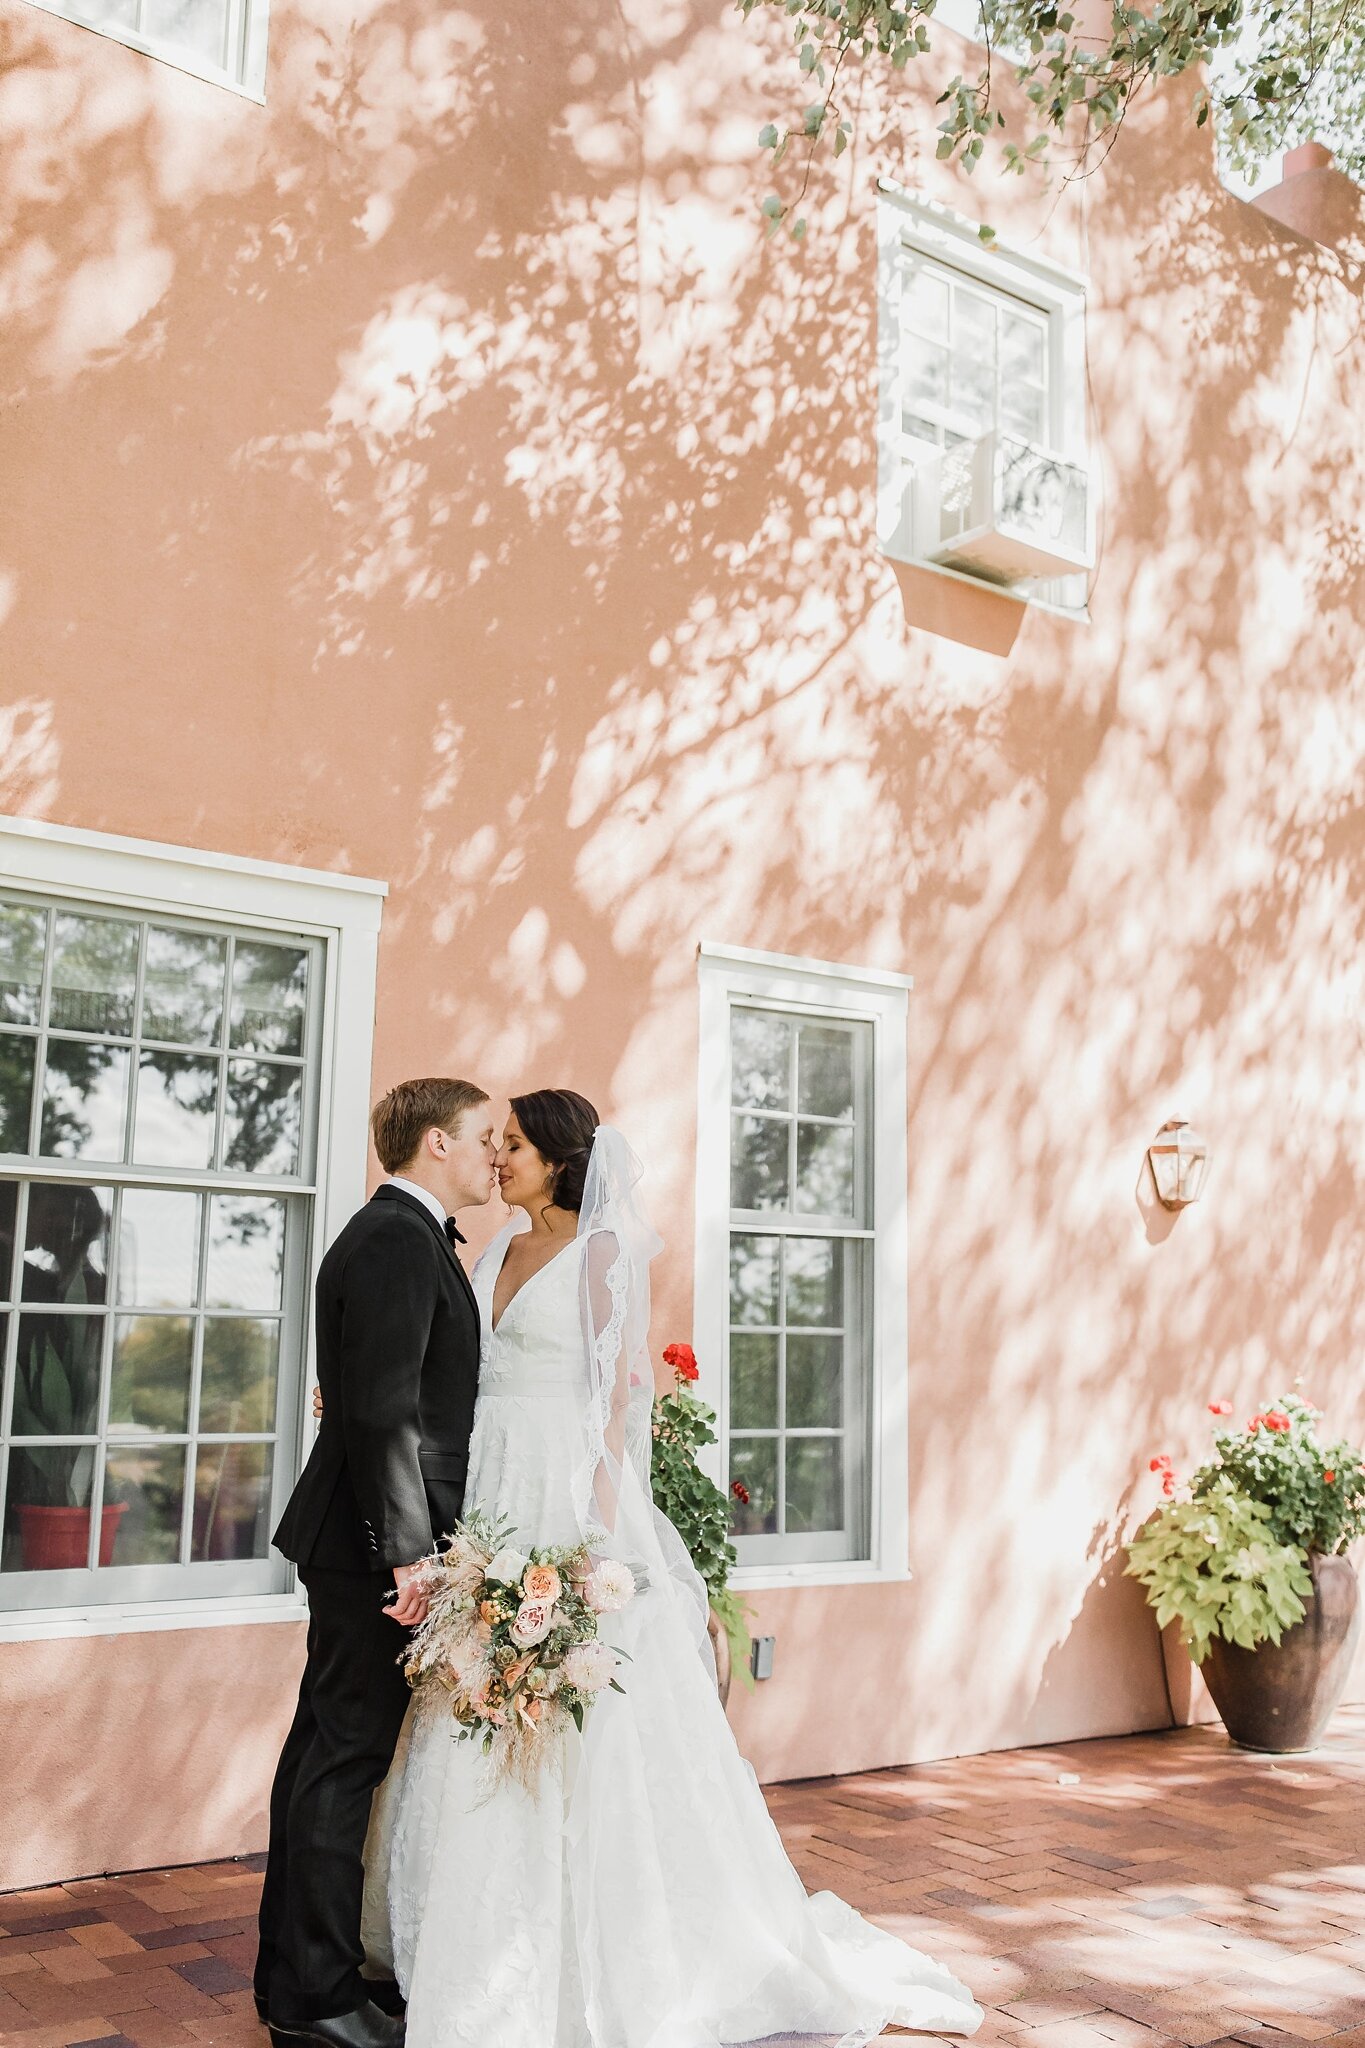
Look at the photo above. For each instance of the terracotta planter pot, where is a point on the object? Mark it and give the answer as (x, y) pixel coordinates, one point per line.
(58, 1539)
(720, 1643)
(1282, 1697)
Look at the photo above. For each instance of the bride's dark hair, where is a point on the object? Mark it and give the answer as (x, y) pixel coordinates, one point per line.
(561, 1126)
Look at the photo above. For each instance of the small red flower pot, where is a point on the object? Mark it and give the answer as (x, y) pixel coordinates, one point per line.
(58, 1539)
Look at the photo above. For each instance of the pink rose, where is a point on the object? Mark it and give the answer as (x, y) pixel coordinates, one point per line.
(533, 1622)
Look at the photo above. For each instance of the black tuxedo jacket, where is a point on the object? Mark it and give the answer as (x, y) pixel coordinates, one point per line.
(398, 1364)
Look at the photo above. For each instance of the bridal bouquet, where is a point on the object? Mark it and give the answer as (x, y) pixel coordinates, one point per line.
(511, 1636)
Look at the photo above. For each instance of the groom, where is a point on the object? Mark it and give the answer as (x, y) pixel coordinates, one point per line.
(398, 1365)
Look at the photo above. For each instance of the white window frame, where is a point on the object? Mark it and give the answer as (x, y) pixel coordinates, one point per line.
(909, 222)
(245, 42)
(341, 910)
(881, 998)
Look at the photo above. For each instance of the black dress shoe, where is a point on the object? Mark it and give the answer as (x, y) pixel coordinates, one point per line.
(385, 1994)
(366, 2027)
(262, 2009)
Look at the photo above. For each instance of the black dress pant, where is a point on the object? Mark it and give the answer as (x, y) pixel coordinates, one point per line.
(345, 1729)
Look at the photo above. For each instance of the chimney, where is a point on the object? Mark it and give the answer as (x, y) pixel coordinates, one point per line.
(1317, 201)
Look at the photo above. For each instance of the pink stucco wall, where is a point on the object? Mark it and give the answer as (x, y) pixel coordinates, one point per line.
(433, 475)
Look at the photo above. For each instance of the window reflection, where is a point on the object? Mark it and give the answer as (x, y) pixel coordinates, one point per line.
(269, 984)
(23, 937)
(85, 1095)
(149, 1483)
(94, 972)
(261, 1127)
(66, 1242)
(17, 1056)
(177, 1101)
(158, 1249)
(231, 1501)
(150, 1389)
(246, 1252)
(182, 996)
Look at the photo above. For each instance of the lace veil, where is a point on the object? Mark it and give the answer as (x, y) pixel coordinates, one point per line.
(612, 1497)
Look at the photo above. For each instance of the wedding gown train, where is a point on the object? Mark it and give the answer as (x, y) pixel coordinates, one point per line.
(643, 1899)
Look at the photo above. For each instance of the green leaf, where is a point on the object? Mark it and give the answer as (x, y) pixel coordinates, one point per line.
(767, 136)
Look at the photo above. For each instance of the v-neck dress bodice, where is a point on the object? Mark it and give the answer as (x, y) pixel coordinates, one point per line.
(528, 1436)
(536, 1349)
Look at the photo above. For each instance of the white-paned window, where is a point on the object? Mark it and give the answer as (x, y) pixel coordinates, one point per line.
(974, 359)
(223, 41)
(166, 1103)
(982, 459)
(800, 1278)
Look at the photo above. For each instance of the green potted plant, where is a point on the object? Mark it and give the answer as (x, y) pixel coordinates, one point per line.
(1250, 1559)
(698, 1509)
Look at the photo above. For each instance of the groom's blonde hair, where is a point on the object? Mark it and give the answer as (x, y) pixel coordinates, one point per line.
(401, 1121)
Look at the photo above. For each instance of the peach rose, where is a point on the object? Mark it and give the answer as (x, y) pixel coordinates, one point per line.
(488, 1611)
(542, 1582)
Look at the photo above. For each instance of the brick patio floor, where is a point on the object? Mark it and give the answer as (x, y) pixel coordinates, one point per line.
(1157, 1890)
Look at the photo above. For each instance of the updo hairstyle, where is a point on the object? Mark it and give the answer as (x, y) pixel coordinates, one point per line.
(561, 1125)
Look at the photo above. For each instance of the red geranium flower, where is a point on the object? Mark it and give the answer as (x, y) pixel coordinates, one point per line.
(1254, 1424)
(1276, 1420)
(1220, 1407)
(683, 1360)
(1168, 1485)
(1161, 1464)
(1329, 1477)
(740, 1491)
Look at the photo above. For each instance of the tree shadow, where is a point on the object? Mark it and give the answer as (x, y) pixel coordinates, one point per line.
(436, 476)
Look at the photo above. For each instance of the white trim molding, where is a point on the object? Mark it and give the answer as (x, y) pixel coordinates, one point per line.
(240, 64)
(849, 993)
(153, 1617)
(340, 911)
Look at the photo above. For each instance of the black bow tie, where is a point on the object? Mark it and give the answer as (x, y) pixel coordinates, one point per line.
(452, 1233)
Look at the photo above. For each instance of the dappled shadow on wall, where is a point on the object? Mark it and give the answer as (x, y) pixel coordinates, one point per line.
(555, 510)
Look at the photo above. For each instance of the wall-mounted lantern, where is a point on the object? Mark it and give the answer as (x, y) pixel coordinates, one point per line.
(1179, 1160)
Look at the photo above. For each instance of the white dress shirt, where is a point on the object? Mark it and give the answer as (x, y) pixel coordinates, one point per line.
(427, 1200)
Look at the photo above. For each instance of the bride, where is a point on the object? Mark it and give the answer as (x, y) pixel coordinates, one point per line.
(641, 1897)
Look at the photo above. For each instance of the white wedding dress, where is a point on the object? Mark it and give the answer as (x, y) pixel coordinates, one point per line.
(643, 1899)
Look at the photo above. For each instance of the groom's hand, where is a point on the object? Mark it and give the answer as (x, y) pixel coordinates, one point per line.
(409, 1609)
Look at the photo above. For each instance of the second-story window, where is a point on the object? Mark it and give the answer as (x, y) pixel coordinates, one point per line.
(982, 465)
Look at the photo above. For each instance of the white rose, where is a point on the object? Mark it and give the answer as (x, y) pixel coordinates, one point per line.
(610, 1586)
(507, 1567)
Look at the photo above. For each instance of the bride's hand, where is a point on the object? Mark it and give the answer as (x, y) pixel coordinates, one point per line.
(317, 1403)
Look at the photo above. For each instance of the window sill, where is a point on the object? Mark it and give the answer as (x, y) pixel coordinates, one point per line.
(1079, 615)
(54, 1623)
(767, 1578)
